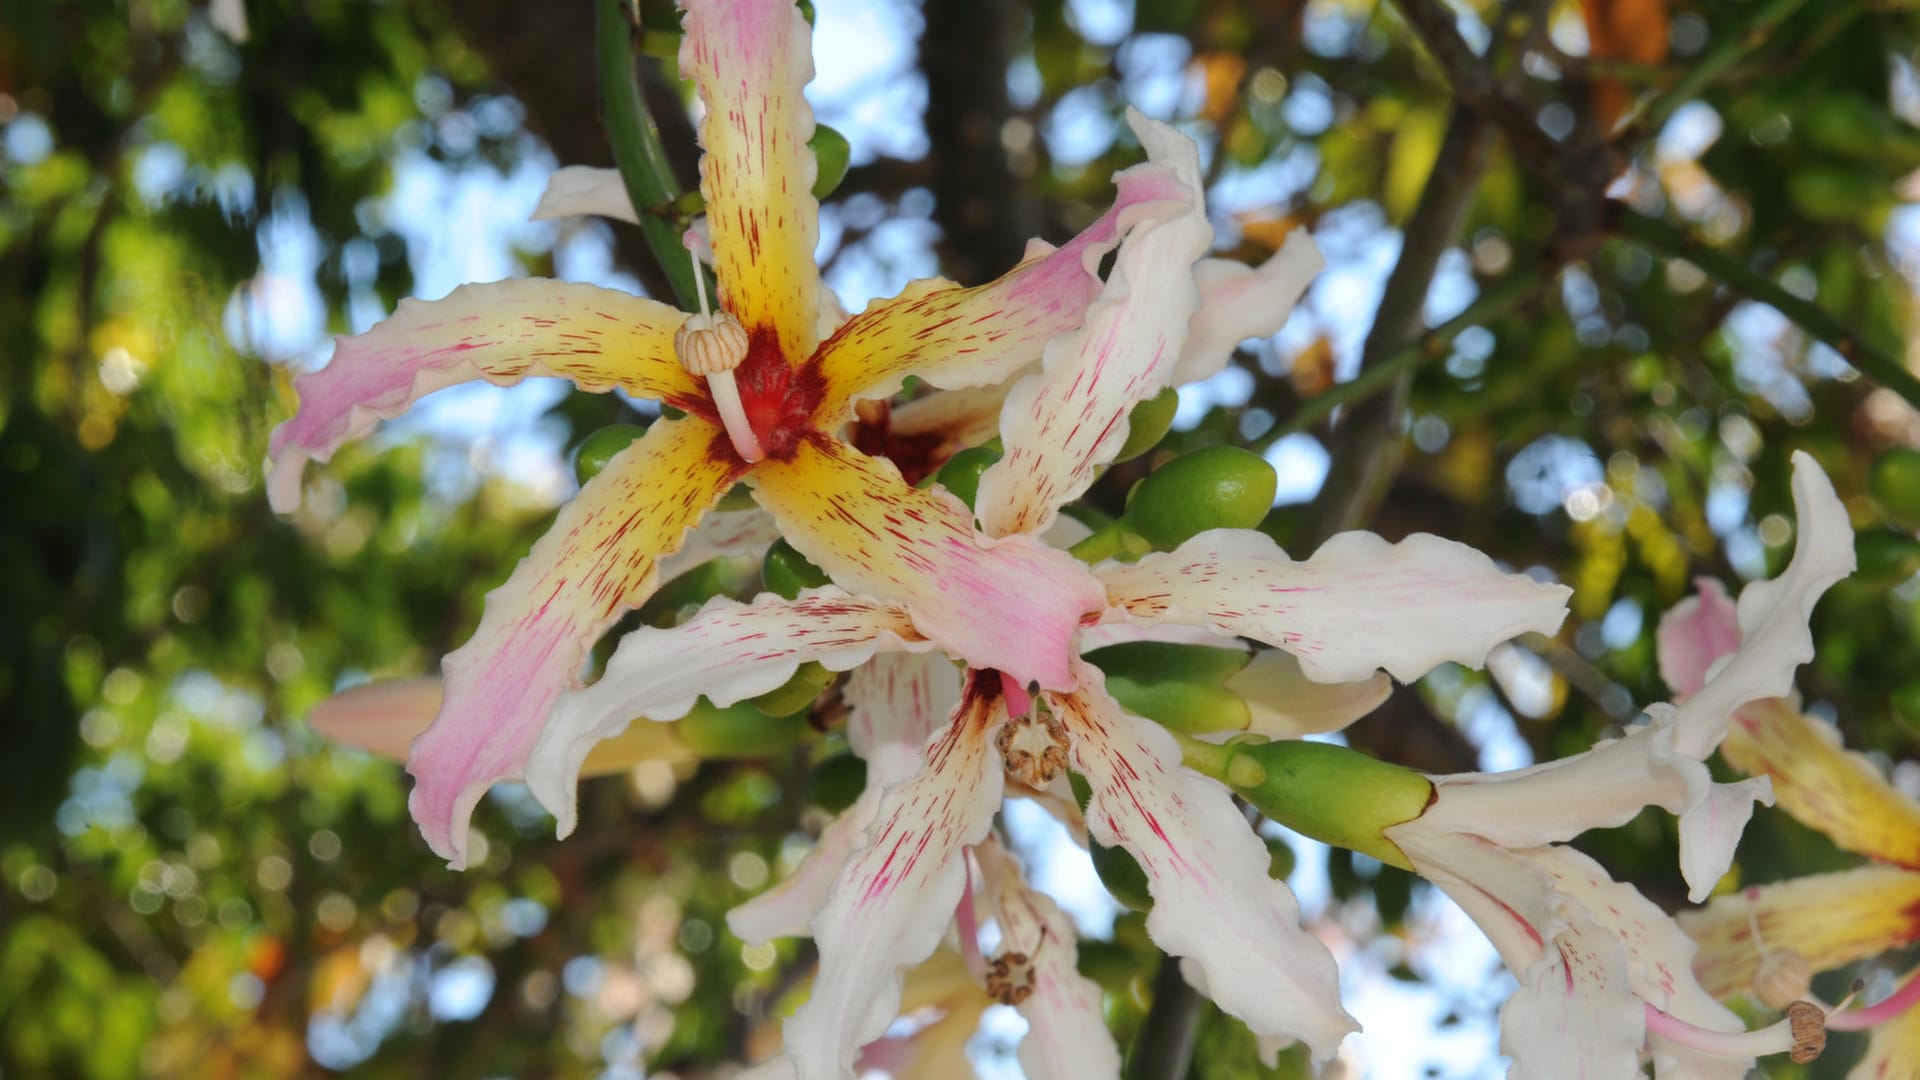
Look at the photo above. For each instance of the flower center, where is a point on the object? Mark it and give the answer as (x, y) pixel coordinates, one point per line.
(1034, 747)
(1010, 977)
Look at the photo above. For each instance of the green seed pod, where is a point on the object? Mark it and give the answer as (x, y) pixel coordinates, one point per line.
(600, 447)
(961, 474)
(786, 571)
(797, 692)
(1895, 483)
(1147, 424)
(1337, 795)
(831, 151)
(738, 731)
(1218, 487)
(1885, 556)
(837, 782)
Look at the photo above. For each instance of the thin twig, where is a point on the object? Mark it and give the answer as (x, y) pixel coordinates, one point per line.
(643, 162)
(1876, 363)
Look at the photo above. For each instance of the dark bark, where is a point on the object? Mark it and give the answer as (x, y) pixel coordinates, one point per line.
(984, 212)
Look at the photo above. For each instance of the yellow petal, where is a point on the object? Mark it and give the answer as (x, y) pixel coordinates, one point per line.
(750, 59)
(1823, 784)
(1012, 604)
(1830, 919)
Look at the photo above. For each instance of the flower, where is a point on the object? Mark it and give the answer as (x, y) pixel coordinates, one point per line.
(1606, 976)
(888, 878)
(1768, 941)
(766, 406)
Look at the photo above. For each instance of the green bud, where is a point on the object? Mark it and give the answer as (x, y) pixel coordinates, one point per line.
(1147, 424)
(1885, 556)
(797, 692)
(600, 447)
(831, 151)
(786, 571)
(961, 473)
(1334, 794)
(1895, 483)
(837, 782)
(737, 731)
(1179, 706)
(1162, 661)
(1218, 487)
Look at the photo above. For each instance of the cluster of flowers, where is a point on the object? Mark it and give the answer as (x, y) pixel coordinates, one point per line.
(767, 390)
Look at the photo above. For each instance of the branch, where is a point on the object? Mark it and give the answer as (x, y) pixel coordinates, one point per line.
(1877, 364)
(1164, 1048)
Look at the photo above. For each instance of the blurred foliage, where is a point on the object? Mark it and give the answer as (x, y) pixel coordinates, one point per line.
(191, 883)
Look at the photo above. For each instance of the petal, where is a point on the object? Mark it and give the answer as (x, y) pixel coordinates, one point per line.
(1207, 871)
(896, 702)
(1574, 1014)
(598, 560)
(1693, 634)
(1287, 705)
(1238, 302)
(1358, 604)
(728, 651)
(1823, 784)
(1067, 1036)
(502, 332)
(1710, 831)
(750, 60)
(946, 422)
(1065, 422)
(896, 897)
(952, 337)
(723, 534)
(581, 189)
(1010, 604)
(1891, 1050)
(385, 717)
(1774, 639)
(1830, 919)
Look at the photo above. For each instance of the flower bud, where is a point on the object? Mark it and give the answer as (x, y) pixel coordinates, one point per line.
(1217, 487)
(1147, 424)
(961, 474)
(737, 731)
(831, 153)
(1336, 795)
(1180, 687)
(797, 692)
(785, 571)
(600, 447)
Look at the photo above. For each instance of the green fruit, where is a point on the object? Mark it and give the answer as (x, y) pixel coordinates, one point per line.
(600, 447)
(1218, 487)
(797, 692)
(961, 474)
(786, 571)
(739, 730)
(837, 782)
(1885, 556)
(1895, 483)
(831, 152)
(1147, 424)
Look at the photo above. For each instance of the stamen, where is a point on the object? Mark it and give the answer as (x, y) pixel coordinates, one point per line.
(1784, 975)
(1034, 748)
(1803, 1032)
(1878, 1013)
(711, 346)
(1010, 978)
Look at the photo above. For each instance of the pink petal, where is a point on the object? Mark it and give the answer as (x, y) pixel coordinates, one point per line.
(380, 717)
(598, 560)
(895, 898)
(1011, 604)
(728, 652)
(501, 333)
(1067, 1036)
(952, 337)
(896, 702)
(579, 189)
(1238, 302)
(1774, 638)
(1207, 871)
(1693, 634)
(1065, 422)
(750, 60)
(1358, 604)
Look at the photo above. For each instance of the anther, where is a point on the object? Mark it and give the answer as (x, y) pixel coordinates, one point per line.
(1010, 978)
(1034, 748)
(1808, 1023)
(1783, 976)
(710, 346)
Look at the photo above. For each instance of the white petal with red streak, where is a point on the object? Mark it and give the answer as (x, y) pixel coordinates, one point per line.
(1207, 871)
(1358, 604)
(895, 898)
(728, 652)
